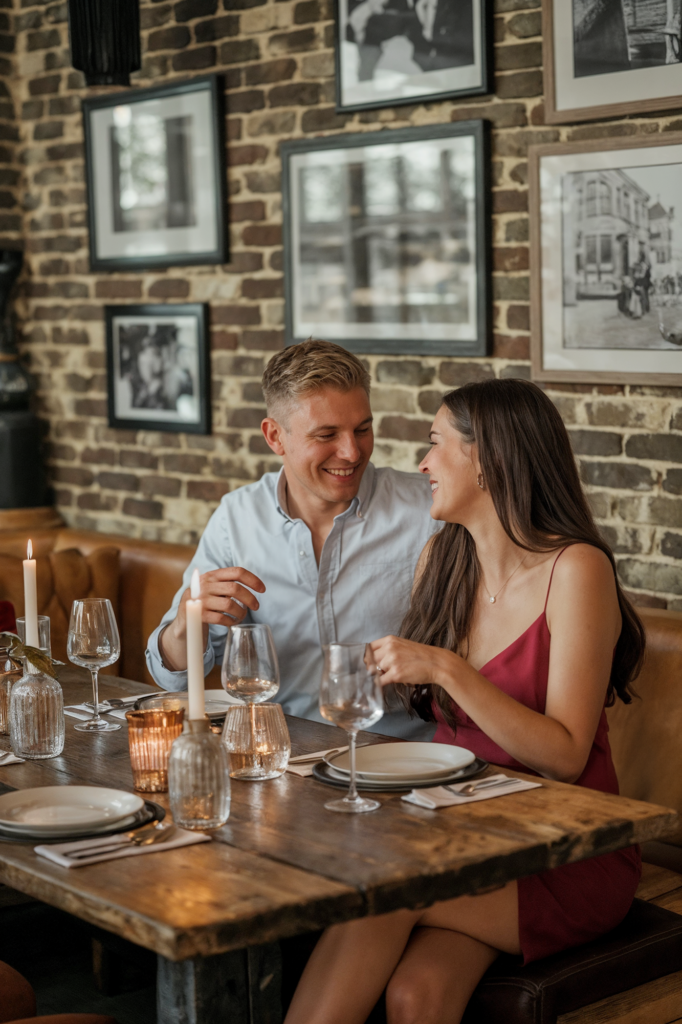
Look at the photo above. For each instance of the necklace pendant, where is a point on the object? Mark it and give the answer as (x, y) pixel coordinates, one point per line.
(492, 600)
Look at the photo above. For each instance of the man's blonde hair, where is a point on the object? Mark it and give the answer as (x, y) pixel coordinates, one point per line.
(309, 366)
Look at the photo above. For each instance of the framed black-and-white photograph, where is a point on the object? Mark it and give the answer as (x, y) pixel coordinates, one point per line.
(386, 245)
(608, 58)
(606, 261)
(158, 367)
(410, 51)
(156, 176)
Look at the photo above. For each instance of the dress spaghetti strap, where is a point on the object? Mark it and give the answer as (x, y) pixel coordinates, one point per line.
(551, 575)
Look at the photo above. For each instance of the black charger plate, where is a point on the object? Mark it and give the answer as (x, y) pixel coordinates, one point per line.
(151, 812)
(322, 773)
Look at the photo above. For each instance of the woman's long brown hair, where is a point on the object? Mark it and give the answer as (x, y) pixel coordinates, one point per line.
(529, 470)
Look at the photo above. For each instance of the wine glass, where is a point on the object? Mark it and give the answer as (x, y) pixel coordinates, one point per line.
(250, 669)
(251, 673)
(93, 642)
(351, 697)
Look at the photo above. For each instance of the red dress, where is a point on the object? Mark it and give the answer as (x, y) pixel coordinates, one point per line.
(575, 903)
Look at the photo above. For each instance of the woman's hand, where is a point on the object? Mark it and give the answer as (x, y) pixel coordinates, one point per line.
(404, 661)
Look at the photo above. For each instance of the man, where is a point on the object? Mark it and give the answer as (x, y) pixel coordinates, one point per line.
(323, 551)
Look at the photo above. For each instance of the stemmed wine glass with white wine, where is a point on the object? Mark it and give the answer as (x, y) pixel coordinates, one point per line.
(93, 642)
(351, 697)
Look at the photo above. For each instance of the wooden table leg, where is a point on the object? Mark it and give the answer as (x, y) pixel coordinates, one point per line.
(242, 987)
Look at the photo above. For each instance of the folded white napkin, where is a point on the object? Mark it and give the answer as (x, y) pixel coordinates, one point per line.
(310, 760)
(11, 759)
(60, 851)
(80, 714)
(441, 796)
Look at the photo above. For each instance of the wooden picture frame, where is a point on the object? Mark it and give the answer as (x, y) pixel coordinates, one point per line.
(158, 367)
(606, 267)
(387, 240)
(155, 175)
(436, 52)
(619, 90)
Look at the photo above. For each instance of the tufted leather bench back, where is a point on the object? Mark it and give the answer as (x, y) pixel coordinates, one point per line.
(646, 734)
(148, 575)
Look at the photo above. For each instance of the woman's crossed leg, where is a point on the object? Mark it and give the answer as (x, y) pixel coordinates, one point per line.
(429, 962)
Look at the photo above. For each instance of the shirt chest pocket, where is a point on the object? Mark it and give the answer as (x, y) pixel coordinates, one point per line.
(384, 595)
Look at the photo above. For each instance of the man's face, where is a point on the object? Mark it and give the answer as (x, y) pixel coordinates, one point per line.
(326, 441)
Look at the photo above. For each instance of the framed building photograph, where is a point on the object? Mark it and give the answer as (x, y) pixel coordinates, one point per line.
(390, 52)
(155, 175)
(609, 58)
(158, 367)
(606, 261)
(386, 240)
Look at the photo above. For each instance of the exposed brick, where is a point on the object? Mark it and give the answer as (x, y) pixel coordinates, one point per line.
(270, 341)
(246, 418)
(235, 315)
(320, 119)
(42, 40)
(99, 456)
(515, 346)
(95, 501)
(298, 94)
(184, 463)
(112, 288)
(117, 481)
(671, 545)
(292, 42)
(656, 576)
(617, 474)
(403, 429)
(510, 259)
(72, 475)
(168, 487)
(238, 51)
(658, 447)
(673, 481)
(174, 38)
(266, 288)
(143, 509)
(195, 60)
(187, 10)
(137, 458)
(595, 442)
(262, 234)
(522, 55)
(44, 86)
(152, 17)
(509, 201)
(169, 288)
(252, 210)
(246, 101)
(517, 371)
(404, 371)
(454, 374)
(239, 155)
(206, 490)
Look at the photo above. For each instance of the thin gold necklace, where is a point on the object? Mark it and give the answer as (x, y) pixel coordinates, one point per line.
(493, 597)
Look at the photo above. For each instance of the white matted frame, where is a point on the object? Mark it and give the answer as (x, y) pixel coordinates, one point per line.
(570, 97)
(606, 311)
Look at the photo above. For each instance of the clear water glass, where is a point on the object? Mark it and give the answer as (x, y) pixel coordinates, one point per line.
(93, 642)
(44, 640)
(36, 715)
(250, 668)
(257, 740)
(351, 697)
(199, 778)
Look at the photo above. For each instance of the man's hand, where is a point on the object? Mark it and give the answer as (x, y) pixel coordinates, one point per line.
(226, 597)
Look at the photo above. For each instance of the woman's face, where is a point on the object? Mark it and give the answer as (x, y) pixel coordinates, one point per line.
(453, 470)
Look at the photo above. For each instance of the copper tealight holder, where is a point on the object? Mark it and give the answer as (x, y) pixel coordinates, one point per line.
(150, 736)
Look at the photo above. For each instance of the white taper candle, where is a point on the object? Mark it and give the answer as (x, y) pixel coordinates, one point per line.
(31, 598)
(195, 650)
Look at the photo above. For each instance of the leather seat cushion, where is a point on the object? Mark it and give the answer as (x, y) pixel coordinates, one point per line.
(66, 1018)
(645, 946)
(63, 577)
(17, 998)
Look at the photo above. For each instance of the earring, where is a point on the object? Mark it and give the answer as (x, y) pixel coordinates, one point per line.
(479, 481)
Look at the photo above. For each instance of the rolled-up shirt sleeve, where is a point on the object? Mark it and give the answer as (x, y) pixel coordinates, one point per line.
(213, 552)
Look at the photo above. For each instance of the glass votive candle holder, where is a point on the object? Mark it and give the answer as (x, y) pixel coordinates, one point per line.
(199, 778)
(44, 641)
(257, 740)
(150, 737)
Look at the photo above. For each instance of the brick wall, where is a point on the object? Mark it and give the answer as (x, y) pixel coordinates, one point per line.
(277, 59)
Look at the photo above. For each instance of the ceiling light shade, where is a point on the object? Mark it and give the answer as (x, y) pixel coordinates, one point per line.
(105, 39)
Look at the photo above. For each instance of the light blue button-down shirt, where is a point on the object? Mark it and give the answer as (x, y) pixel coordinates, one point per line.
(359, 592)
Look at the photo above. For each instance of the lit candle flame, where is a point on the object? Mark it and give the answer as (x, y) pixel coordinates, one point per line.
(195, 585)
(29, 550)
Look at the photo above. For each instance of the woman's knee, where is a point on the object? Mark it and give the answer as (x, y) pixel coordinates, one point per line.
(409, 1000)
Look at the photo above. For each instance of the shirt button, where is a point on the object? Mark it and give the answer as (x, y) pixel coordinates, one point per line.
(302, 554)
(359, 515)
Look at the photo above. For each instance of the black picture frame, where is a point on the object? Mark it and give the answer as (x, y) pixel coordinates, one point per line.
(423, 86)
(176, 367)
(406, 337)
(180, 168)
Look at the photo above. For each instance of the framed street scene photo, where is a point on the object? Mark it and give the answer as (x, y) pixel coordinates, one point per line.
(157, 368)
(606, 259)
(410, 51)
(386, 245)
(156, 176)
(607, 58)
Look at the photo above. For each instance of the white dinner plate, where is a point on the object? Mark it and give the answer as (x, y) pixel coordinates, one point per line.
(404, 761)
(27, 832)
(59, 809)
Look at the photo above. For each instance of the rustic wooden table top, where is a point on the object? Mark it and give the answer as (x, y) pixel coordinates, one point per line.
(284, 865)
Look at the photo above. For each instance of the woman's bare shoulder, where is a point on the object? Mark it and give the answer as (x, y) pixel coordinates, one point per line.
(583, 565)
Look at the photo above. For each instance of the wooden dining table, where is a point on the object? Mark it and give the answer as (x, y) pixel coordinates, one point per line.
(283, 865)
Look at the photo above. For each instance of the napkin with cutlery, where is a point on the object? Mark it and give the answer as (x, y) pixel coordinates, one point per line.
(485, 789)
(79, 853)
(115, 710)
(304, 763)
(7, 757)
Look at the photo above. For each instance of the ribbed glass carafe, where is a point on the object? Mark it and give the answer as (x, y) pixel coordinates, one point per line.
(10, 673)
(36, 715)
(199, 778)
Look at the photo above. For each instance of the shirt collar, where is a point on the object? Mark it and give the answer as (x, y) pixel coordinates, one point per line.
(358, 505)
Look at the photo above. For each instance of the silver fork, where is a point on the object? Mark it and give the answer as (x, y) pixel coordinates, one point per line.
(141, 837)
(473, 787)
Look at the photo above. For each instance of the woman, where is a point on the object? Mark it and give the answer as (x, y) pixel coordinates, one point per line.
(517, 637)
